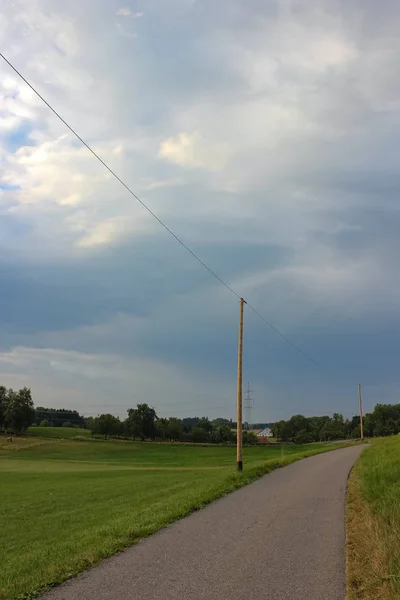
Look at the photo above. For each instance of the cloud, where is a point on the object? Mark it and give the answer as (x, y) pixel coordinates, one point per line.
(264, 134)
(191, 150)
(79, 374)
(126, 12)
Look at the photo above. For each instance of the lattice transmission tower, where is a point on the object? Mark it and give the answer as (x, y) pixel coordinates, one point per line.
(248, 406)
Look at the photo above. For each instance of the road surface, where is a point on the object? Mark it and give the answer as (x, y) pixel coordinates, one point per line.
(281, 538)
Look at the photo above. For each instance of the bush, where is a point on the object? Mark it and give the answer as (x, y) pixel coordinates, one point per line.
(44, 423)
(67, 424)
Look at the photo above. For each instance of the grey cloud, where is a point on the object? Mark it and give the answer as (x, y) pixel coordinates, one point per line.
(302, 216)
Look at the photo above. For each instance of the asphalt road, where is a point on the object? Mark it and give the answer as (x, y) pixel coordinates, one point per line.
(281, 538)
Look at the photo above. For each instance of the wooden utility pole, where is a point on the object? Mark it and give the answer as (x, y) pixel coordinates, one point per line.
(239, 458)
(361, 412)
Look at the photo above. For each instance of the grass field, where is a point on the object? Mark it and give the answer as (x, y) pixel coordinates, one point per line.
(373, 523)
(58, 432)
(65, 504)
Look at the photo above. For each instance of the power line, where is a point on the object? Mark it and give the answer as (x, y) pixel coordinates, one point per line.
(284, 338)
(176, 237)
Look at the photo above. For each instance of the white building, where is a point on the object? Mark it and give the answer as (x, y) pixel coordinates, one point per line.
(265, 433)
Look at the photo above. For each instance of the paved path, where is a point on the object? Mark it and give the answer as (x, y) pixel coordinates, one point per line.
(280, 538)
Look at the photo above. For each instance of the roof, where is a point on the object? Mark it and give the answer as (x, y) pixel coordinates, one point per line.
(265, 433)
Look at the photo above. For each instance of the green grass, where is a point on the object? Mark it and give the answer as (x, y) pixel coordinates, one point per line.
(58, 432)
(65, 504)
(373, 523)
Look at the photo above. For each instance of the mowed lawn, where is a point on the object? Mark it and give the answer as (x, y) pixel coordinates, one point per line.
(373, 523)
(65, 504)
(59, 432)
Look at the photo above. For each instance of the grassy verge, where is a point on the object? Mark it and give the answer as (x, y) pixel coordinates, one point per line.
(373, 523)
(66, 504)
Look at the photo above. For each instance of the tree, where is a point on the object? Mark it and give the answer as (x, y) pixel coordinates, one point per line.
(132, 423)
(221, 421)
(199, 435)
(119, 429)
(20, 411)
(88, 422)
(224, 435)
(141, 422)
(162, 428)
(205, 424)
(57, 416)
(190, 422)
(175, 429)
(105, 425)
(44, 423)
(277, 429)
(298, 423)
(249, 438)
(3, 399)
(356, 432)
(303, 437)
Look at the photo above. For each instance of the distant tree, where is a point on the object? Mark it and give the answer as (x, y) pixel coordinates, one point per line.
(220, 421)
(141, 422)
(162, 428)
(328, 432)
(277, 429)
(175, 429)
(119, 428)
(200, 435)
(105, 425)
(44, 423)
(3, 400)
(205, 423)
(57, 416)
(132, 424)
(381, 429)
(298, 423)
(88, 422)
(20, 411)
(226, 435)
(303, 437)
(282, 430)
(190, 422)
(249, 438)
(316, 424)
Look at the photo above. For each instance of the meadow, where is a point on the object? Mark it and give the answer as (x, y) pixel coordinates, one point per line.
(58, 432)
(65, 504)
(373, 523)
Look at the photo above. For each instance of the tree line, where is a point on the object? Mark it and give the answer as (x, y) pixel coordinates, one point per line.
(58, 417)
(143, 423)
(17, 413)
(383, 420)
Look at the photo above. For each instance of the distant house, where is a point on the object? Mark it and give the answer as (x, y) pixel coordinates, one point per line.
(265, 433)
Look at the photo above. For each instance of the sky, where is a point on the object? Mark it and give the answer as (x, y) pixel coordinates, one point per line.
(265, 134)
